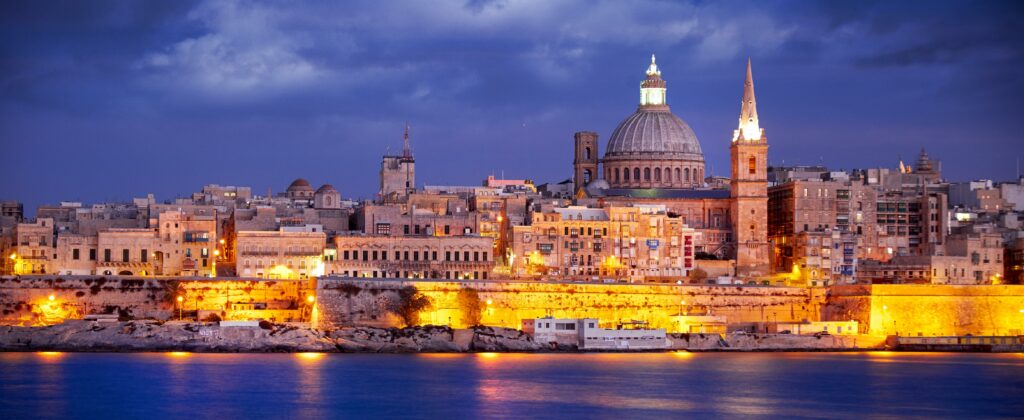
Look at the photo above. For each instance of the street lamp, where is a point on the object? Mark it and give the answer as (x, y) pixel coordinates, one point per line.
(51, 297)
(180, 299)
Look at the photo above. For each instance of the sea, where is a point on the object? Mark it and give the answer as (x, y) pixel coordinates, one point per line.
(504, 385)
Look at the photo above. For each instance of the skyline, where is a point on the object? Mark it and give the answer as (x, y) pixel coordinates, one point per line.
(222, 89)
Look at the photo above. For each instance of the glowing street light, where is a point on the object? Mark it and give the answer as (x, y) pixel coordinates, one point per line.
(310, 299)
(489, 302)
(180, 299)
(51, 298)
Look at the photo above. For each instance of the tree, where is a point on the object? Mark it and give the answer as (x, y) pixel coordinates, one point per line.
(409, 304)
(469, 303)
(698, 276)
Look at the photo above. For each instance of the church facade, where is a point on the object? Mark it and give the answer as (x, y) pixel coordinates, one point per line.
(654, 157)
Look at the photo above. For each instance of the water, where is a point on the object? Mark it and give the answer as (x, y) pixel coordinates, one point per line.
(229, 386)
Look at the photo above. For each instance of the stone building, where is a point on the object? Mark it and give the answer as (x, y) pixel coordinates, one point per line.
(176, 244)
(281, 254)
(29, 249)
(327, 197)
(642, 242)
(398, 173)
(421, 257)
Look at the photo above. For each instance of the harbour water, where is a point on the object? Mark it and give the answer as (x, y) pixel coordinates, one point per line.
(487, 385)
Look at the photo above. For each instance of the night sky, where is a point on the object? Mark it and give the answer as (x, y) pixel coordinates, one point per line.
(113, 100)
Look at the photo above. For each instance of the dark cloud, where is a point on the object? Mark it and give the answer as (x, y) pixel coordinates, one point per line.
(106, 100)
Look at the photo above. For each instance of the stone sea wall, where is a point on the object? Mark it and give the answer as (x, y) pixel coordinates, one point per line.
(927, 310)
(930, 310)
(346, 302)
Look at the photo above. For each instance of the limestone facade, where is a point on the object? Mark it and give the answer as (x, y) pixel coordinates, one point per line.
(280, 254)
(635, 243)
(422, 257)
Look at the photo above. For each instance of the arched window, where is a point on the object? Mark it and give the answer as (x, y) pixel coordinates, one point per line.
(752, 165)
(636, 174)
(657, 174)
(647, 174)
(678, 177)
(616, 174)
(686, 173)
(625, 174)
(586, 153)
(586, 176)
(668, 174)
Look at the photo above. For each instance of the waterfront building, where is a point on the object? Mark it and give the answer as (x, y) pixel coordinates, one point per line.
(641, 242)
(287, 253)
(587, 334)
(413, 256)
(30, 248)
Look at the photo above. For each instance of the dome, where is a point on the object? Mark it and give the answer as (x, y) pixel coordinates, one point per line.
(300, 185)
(655, 132)
(326, 188)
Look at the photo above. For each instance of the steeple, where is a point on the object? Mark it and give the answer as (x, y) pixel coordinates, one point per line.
(749, 127)
(406, 153)
(652, 89)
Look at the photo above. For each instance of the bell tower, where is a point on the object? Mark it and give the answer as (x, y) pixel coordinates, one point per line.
(749, 156)
(585, 164)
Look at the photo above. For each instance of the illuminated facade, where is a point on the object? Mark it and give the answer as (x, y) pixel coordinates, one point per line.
(421, 257)
(281, 254)
(636, 243)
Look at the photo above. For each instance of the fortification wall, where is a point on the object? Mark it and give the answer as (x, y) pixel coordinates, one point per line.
(342, 302)
(930, 310)
(25, 300)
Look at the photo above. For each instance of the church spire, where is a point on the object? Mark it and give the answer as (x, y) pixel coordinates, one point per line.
(749, 127)
(405, 143)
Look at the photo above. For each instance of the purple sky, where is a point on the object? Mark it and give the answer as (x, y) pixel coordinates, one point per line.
(110, 100)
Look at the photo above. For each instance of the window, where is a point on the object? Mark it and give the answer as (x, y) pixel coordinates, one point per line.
(636, 174)
(657, 174)
(92, 255)
(144, 255)
(124, 255)
(384, 229)
(405, 229)
(74, 254)
(647, 174)
(752, 165)
(686, 174)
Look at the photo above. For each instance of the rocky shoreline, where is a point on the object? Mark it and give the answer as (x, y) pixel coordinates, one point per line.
(151, 336)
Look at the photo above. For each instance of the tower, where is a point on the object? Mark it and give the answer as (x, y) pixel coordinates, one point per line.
(398, 173)
(749, 207)
(585, 164)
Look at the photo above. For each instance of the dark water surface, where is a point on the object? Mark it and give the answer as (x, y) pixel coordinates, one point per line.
(230, 386)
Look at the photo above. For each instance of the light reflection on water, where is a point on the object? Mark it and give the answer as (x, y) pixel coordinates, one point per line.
(315, 385)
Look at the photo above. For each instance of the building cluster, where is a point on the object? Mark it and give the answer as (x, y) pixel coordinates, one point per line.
(643, 211)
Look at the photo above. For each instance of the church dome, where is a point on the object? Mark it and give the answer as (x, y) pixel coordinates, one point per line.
(326, 188)
(654, 131)
(653, 148)
(300, 185)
